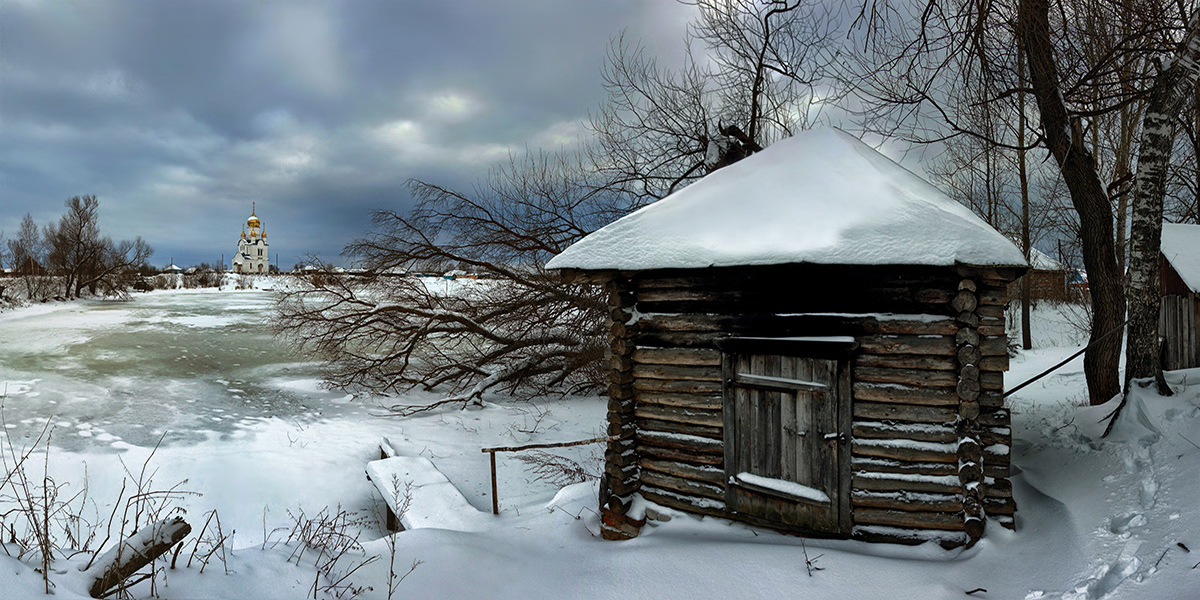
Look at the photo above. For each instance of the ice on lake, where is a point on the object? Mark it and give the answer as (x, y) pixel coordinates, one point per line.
(192, 365)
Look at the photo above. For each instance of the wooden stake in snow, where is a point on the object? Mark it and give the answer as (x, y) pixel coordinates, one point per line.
(135, 552)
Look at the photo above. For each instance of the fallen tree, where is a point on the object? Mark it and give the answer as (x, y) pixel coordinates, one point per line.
(112, 568)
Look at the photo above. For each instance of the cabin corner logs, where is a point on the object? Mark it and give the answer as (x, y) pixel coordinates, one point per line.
(888, 408)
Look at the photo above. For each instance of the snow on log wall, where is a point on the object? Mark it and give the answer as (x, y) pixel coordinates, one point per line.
(916, 347)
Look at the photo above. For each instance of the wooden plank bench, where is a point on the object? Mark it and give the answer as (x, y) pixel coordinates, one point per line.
(419, 496)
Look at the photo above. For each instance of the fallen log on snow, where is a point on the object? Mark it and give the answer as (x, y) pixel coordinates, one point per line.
(135, 552)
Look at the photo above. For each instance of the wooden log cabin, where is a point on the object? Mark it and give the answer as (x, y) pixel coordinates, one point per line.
(810, 340)
(1179, 313)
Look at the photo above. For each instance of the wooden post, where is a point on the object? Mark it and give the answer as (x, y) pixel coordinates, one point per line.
(493, 451)
(495, 499)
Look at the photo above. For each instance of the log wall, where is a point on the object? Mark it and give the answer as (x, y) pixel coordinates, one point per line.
(928, 419)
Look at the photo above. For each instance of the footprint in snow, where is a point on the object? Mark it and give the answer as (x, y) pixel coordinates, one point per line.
(1108, 576)
(1121, 524)
(1149, 492)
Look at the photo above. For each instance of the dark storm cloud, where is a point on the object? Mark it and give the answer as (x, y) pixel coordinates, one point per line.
(179, 114)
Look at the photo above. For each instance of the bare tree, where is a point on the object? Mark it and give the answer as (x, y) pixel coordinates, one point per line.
(26, 255)
(515, 328)
(72, 241)
(1023, 182)
(751, 75)
(111, 272)
(86, 260)
(1083, 68)
(1175, 81)
(1063, 136)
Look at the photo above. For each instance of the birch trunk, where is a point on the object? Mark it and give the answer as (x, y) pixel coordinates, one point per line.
(1171, 88)
(1100, 364)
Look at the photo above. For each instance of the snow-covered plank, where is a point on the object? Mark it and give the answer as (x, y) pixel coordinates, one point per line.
(781, 487)
(433, 502)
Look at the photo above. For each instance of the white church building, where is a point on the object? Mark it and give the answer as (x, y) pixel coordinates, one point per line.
(252, 254)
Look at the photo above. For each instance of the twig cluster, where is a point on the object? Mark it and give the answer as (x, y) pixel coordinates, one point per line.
(329, 537)
(556, 470)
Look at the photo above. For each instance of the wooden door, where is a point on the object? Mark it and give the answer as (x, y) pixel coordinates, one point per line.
(786, 440)
(1178, 319)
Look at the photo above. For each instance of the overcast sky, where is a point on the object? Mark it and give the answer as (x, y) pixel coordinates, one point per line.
(178, 115)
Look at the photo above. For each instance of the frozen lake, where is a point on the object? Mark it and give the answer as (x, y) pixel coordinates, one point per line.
(244, 421)
(190, 364)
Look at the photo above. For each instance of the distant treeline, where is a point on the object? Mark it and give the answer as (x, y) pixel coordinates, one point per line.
(70, 258)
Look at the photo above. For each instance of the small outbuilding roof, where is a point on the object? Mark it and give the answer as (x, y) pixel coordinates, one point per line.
(821, 196)
(1041, 261)
(1181, 248)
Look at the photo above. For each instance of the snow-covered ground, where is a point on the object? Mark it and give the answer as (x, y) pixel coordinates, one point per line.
(247, 427)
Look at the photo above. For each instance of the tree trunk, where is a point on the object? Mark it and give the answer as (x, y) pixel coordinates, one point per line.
(1023, 177)
(1196, 154)
(135, 552)
(1167, 97)
(1120, 173)
(1100, 364)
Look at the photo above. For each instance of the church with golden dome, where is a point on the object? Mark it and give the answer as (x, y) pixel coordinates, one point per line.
(252, 254)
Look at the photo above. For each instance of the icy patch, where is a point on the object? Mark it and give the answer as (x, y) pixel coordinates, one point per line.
(17, 388)
(205, 321)
(305, 385)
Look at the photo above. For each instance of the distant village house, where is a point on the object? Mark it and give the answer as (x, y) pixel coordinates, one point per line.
(1179, 315)
(1048, 280)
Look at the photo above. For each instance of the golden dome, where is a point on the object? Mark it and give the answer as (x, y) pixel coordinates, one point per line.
(253, 220)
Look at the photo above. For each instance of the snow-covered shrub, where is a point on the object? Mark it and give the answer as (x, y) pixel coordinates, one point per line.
(201, 279)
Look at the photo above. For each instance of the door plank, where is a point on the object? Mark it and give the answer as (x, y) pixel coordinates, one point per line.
(787, 423)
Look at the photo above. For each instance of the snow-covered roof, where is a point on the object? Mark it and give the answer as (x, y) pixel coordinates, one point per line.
(821, 196)
(1181, 248)
(1041, 261)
